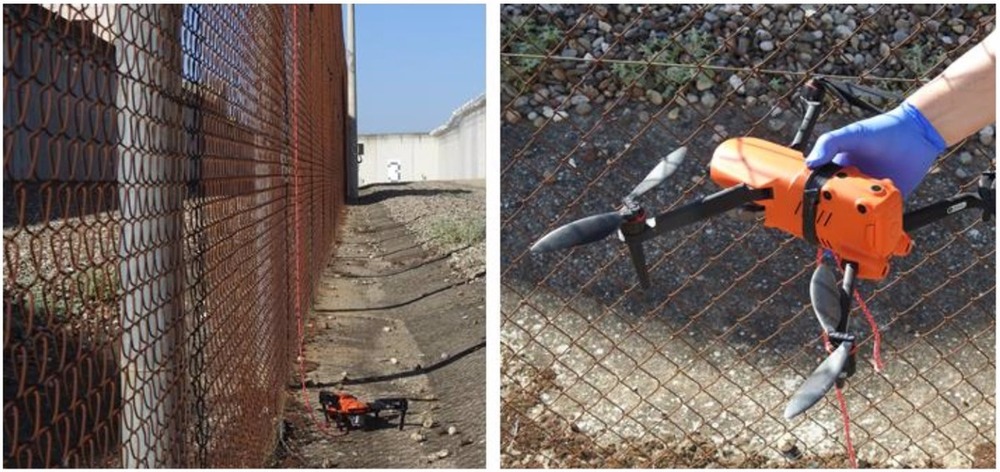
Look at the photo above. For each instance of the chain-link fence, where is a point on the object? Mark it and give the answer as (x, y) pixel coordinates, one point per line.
(172, 181)
(696, 371)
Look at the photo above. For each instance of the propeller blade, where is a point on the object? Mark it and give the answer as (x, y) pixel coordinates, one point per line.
(667, 166)
(825, 295)
(819, 382)
(582, 231)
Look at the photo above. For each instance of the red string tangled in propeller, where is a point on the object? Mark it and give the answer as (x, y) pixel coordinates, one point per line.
(876, 360)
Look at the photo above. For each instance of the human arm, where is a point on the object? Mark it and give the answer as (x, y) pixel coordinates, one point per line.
(902, 144)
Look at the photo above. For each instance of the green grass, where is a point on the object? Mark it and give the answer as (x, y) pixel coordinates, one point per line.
(696, 46)
(459, 232)
(920, 60)
(526, 37)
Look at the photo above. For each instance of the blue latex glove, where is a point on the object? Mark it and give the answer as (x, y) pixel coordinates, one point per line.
(899, 145)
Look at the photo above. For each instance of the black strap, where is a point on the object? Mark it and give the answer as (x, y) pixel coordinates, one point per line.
(810, 199)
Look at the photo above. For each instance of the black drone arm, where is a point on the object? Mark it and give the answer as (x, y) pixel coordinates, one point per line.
(984, 198)
(813, 97)
(706, 207)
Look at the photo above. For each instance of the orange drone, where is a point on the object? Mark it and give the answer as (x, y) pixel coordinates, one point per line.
(858, 218)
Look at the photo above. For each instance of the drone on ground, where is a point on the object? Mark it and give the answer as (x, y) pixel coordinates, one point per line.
(858, 218)
(348, 412)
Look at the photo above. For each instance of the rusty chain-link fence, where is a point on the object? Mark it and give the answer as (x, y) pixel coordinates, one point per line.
(173, 176)
(696, 371)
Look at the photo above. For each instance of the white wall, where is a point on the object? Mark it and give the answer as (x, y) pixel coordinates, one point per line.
(412, 150)
(455, 150)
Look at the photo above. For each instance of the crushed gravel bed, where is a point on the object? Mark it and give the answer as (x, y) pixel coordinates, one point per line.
(454, 221)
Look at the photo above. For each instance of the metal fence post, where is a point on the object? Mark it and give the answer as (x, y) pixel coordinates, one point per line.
(150, 245)
(352, 109)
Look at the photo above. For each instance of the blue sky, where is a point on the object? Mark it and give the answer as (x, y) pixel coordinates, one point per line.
(417, 63)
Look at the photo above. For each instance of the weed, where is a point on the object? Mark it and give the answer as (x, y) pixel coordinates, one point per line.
(628, 74)
(460, 232)
(919, 60)
(528, 37)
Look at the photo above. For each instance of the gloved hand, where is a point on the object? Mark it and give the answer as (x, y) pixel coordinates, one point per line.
(899, 145)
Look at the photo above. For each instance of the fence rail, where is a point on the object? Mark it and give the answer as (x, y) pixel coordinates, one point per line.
(173, 177)
(697, 370)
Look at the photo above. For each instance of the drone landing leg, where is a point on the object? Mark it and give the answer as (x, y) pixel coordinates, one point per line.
(639, 261)
(846, 292)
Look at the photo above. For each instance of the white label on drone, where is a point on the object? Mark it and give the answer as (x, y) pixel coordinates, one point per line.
(956, 207)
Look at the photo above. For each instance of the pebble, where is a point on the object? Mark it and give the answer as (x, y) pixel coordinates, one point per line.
(583, 108)
(986, 135)
(512, 117)
(704, 83)
(417, 437)
(452, 430)
(767, 46)
(548, 112)
(673, 114)
(709, 100)
(604, 26)
(789, 449)
(654, 97)
(965, 157)
(737, 83)
(644, 116)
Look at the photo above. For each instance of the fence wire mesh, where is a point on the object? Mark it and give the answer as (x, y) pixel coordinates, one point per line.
(172, 181)
(697, 370)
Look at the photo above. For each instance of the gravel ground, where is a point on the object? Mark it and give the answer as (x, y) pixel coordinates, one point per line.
(454, 221)
(696, 371)
(392, 317)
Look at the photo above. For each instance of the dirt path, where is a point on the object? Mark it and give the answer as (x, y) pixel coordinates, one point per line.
(393, 318)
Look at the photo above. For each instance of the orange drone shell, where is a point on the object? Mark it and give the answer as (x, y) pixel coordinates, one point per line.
(858, 217)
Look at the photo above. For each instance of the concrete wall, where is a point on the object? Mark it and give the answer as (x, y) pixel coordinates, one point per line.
(415, 153)
(455, 150)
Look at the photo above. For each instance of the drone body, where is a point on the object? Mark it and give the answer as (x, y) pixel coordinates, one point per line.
(856, 216)
(348, 412)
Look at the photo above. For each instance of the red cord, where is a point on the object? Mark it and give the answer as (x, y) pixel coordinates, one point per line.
(876, 335)
(876, 354)
(300, 326)
(847, 428)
